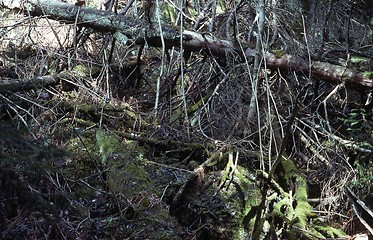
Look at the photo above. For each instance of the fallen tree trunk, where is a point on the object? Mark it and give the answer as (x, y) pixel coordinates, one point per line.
(142, 32)
(334, 74)
(15, 85)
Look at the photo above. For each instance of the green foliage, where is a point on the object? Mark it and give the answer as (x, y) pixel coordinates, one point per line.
(364, 175)
(298, 213)
(368, 74)
(358, 122)
(279, 53)
(330, 231)
(168, 12)
(295, 210)
(358, 59)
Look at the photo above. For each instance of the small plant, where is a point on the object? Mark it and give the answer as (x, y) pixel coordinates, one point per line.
(358, 123)
(364, 176)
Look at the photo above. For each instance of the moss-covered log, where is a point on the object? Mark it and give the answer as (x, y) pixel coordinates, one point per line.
(126, 178)
(291, 209)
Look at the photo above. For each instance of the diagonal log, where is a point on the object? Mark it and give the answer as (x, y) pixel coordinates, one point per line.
(331, 73)
(141, 32)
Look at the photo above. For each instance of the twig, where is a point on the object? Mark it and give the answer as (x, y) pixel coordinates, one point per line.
(162, 60)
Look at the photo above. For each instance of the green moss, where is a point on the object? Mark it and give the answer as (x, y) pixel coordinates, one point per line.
(303, 209)
(278, 53)
(82, 148)
(330, 231)
(298, 210)
(123, 160)
(168, 12)
(107, 144)
(358, 59)
(241, 197)
(85, 71)
(368, 74)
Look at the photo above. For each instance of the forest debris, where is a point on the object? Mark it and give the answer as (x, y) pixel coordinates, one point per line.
(164, 143)
(364, 214)
(110, 22)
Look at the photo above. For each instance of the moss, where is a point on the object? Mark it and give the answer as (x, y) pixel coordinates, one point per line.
(330, 231)
(303, 209)
(368, 74)
(294, 208)
(240, 196)
(169, 13)
(82, 149)
(278, 53)
(85, 71)
(126, 174)
(358, 59)
(107, 144)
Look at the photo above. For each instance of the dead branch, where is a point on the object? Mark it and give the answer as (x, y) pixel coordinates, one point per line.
(162, 143)
(142, 32)
(15, 85)
(331, 73)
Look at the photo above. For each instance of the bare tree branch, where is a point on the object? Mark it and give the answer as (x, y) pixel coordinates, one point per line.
(142, 32)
